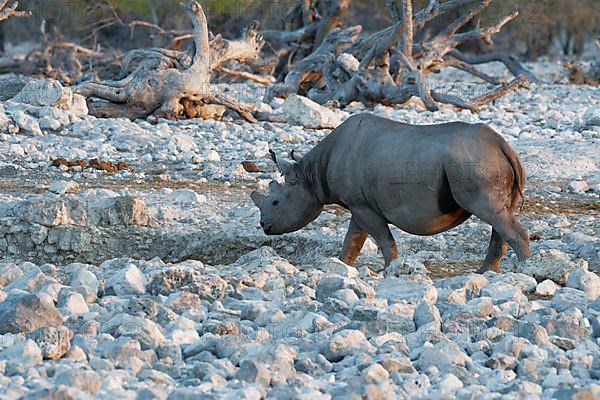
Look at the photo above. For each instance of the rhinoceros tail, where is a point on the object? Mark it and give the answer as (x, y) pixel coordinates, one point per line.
(518, 169)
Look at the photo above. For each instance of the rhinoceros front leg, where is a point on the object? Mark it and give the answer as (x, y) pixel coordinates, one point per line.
(353, 242)
(378, 228)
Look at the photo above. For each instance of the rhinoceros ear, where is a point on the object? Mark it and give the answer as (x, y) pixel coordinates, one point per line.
(284, 166)
(257, 198)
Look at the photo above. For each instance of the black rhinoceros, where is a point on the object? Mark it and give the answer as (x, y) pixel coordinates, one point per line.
(424, 179)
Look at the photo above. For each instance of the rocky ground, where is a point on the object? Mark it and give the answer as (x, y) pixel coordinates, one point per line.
(134, 267)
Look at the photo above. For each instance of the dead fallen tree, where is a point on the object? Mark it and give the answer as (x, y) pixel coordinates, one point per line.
(61, 60)
(327, 63)
(10, 10)
(7, 11)
(306, 25)
(579, 75)
(389, 67)
(169, 83)
(11, 85)
(56, 58)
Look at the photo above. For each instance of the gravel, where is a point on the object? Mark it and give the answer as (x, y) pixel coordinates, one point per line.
(156, 281)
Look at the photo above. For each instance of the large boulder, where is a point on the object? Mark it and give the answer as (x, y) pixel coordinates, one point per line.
(187, 196)
(21, 356)
(84, 278)
(330, 285)
(344, 343)
(49, 211)
(591, 117)
(129, 281)
(148, 333)
(54, 341)
(9, 272)
(27, 124)
(31, 281)
(269, 363)
(299, 110)
(182, 331)
(566, 297)
(446, 357)
(552, 264)
(122, 210)
(586, 281)
(5, 121)
(44, 93)
(406, 290)
(88, 381)
(24, 312)
(42, 211)
(63, 187)
(184, 277)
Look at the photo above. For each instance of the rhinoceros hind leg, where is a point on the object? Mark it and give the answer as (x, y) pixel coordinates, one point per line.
(510, 229)
(521, 244)
(484, 197)
(378, 228)
(489, 208)
(496, 251)
(353, 243)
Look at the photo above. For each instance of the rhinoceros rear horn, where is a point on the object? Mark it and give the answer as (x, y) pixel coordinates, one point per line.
(284, 166)
(274, 186)
(257, 198)
(294, 155)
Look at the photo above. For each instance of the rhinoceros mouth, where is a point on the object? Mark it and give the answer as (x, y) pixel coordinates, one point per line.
(268, 229)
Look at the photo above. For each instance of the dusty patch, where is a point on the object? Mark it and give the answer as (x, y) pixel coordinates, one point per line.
(442, 270)
(566, 204)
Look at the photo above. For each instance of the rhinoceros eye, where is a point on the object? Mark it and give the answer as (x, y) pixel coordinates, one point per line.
(275, 202)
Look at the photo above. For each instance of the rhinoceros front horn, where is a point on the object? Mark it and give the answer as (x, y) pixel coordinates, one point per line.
(257, 198)
(274, 186)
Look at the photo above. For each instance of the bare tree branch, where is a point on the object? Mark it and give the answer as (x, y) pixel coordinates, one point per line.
(388, 67)
(7, 11)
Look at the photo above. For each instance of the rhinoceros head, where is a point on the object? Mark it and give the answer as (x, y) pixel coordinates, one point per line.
(290, 206)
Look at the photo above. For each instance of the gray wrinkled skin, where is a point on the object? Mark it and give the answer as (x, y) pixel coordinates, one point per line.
(424, 179)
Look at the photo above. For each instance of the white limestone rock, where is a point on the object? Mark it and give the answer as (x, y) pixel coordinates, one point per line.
(128, 281)
(299, 110)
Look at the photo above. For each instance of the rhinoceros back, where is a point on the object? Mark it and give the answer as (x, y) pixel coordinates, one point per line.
(401, 170)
